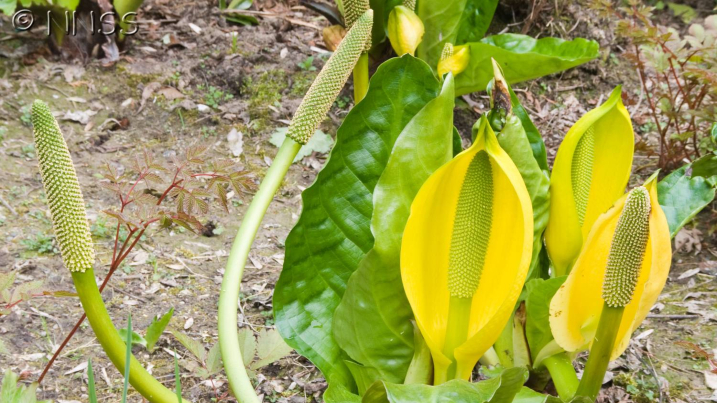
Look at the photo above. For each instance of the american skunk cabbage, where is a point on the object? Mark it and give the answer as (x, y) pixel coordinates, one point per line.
(590, 173)
(405, 30)
(465, 254)
(454, 59)
(69, 219)
(624, 264)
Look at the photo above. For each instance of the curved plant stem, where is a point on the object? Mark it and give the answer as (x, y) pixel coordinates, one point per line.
(228, 340)
(563, 373)
(360, 75)
(111, 341)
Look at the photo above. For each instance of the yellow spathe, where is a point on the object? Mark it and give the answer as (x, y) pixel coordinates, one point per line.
(603, 163)
(576, 308)
(454, 59)
(426, 253)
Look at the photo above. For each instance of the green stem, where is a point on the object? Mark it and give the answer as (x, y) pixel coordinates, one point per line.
(228, 341)
(361, 78)
(459, 314)
(563, 373)
(600, 351)
(111, 341)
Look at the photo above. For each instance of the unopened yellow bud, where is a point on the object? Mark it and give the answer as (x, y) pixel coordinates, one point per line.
(454, 59)
(405, 30)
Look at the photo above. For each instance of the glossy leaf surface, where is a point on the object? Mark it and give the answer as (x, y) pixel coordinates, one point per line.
(372, 323)
(454, 21)
(682, 195)
(500, 389)
(537, 305)
(522, 58)
(515, 142)
(475, 20)
(333, 233)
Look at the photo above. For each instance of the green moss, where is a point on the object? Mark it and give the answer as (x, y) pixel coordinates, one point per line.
(301, 83)
(266, 88)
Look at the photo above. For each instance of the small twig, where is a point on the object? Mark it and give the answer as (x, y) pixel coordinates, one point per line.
(8, 206)
(660, 316)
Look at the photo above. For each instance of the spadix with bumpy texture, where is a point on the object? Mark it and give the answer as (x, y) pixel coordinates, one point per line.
(330, 81)
(471, 228)
(465, 253)
(623, 264)
(627, 249)
(353, 10)
(62, 188)
(581, 172)
(590, 173)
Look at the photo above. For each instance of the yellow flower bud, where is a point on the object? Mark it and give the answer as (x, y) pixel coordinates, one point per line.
(405, 30)
(454, 59)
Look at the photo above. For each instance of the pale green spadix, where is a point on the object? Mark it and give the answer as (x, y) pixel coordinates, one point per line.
(330, 81)
(627, 249)
(581, 172)
(471, 229)
(62, 188)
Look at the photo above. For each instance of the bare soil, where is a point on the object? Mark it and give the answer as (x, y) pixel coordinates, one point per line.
(254, 87)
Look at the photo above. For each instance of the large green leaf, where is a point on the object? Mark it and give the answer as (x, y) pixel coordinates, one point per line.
(682, 195)
(372, 323)
(514, 140)
(527, 395)
(333, 233)
(364, 376)
(536, 140)
(706, 166)
(442, 23)
(537, 312)
(475, 20)
(522, 58)
(337, 393)
(501, 389)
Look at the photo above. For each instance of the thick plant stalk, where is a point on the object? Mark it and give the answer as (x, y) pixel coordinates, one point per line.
(69, 218)
(353, 10)
(311, 112)
(563, 373)
(621, 275)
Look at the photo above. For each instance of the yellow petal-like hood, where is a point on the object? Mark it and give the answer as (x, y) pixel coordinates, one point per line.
(590, 173)
(454, 59)
(426, 251)
(576, 307)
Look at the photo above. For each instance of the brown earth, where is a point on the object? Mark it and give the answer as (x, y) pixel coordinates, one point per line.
(254, 87)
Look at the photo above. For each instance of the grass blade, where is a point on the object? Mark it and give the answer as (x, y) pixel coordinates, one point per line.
(91, 382)
(128, 355)
(177, 383)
